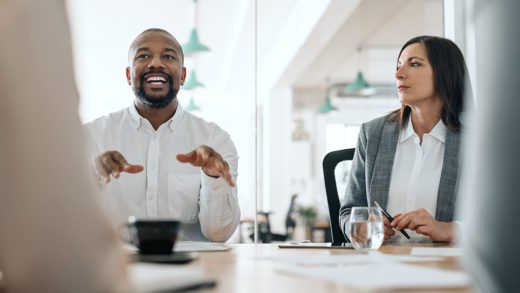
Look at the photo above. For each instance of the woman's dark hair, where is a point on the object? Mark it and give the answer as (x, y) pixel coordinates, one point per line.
(449, 79)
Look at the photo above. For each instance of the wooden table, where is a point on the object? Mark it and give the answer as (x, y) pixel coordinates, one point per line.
(239, 270)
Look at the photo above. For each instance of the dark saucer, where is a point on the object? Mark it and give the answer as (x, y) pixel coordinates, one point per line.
(177, 257)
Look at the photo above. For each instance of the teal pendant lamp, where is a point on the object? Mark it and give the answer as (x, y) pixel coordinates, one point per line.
(358, 85)
(194, 46)
(191, 107)
(192, 82)
(327, 106)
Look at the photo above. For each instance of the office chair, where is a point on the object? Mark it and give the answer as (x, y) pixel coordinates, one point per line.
(330, 161)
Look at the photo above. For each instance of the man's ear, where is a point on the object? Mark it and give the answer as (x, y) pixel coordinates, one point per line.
(128, 77)
(183, 75)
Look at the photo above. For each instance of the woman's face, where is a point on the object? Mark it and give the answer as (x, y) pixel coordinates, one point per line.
(414, 76)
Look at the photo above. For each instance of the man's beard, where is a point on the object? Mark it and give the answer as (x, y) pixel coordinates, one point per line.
(152, 101)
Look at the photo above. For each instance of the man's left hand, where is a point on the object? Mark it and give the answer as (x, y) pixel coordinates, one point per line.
(423, 222)
(211, 162)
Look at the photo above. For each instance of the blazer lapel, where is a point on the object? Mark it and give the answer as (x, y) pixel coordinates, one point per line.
(384, 162)
(447, 196)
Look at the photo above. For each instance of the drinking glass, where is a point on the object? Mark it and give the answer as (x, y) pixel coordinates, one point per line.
(366, 228)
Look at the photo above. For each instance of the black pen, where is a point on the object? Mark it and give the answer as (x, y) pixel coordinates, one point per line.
(387, 215)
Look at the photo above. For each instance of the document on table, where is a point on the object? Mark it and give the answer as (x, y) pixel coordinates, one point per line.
(346, 259)
(198, 246)
(436, 251)
(382, 276)
(166, 278)
(187, 246)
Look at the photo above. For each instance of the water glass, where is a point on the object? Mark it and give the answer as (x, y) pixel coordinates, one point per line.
(366, 228)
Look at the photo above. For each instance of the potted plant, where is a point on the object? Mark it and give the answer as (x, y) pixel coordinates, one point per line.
(308, 215)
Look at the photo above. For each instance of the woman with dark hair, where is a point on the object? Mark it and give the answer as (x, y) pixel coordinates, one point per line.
(408, 161)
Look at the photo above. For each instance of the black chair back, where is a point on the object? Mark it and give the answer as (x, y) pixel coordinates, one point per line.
(330, 162)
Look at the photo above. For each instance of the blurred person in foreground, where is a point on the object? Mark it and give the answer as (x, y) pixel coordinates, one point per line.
(408, 161)
(491, 186)
(165, 162)
(54, 236)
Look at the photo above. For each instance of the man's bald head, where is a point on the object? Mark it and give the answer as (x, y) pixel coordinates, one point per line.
(155, 70)
(149, 31)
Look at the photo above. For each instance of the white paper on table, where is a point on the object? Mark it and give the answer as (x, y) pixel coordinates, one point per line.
(159, 278)
(436, 251)
(198, 246)
(382, 276)
(346, 259)
(186, 246)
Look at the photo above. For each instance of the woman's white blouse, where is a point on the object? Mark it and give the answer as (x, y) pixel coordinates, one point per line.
(416, 172)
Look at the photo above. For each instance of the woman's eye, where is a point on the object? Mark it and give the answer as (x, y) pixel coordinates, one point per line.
(415, 64)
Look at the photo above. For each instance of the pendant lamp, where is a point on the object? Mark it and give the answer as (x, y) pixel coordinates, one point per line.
(192, 82)
(191, 107)
(327, 106)
(358, 85)
(194, 46)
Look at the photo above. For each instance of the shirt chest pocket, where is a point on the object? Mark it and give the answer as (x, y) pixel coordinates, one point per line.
(183, 196)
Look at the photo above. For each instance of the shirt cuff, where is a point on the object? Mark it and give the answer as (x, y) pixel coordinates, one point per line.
(214, 185)
(457, 231)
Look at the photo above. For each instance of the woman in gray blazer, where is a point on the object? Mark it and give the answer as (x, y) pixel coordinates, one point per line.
(408, 161)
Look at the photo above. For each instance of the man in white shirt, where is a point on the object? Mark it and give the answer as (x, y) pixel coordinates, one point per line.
(158, 136)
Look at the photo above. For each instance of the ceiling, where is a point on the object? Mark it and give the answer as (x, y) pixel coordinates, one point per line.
(370, 39)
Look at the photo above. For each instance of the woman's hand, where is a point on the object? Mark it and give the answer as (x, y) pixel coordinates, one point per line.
(422, 222)
(389, 231)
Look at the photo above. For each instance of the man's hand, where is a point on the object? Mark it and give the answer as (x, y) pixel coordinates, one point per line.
(211, 162)
(113, 163)
(423, 223)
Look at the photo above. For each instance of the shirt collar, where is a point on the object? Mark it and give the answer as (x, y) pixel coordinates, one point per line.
(136, 119)
(438, 131)
(407, 131)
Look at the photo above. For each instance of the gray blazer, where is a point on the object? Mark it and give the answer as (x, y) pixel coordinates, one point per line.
(372, 169)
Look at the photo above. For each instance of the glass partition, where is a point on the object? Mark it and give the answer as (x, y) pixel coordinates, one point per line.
(325, 67)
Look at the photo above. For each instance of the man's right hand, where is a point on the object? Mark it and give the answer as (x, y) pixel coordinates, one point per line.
(113, 163)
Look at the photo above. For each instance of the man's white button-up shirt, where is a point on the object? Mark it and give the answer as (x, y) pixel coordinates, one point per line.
(168, 188)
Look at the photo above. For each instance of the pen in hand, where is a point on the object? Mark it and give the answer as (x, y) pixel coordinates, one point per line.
(387, 215)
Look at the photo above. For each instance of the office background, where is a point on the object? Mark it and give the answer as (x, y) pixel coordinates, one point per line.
(276, 77)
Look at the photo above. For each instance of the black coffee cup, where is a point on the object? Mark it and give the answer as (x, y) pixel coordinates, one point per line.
(153, 236)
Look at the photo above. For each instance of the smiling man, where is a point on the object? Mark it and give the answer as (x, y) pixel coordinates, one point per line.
(165, 162)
